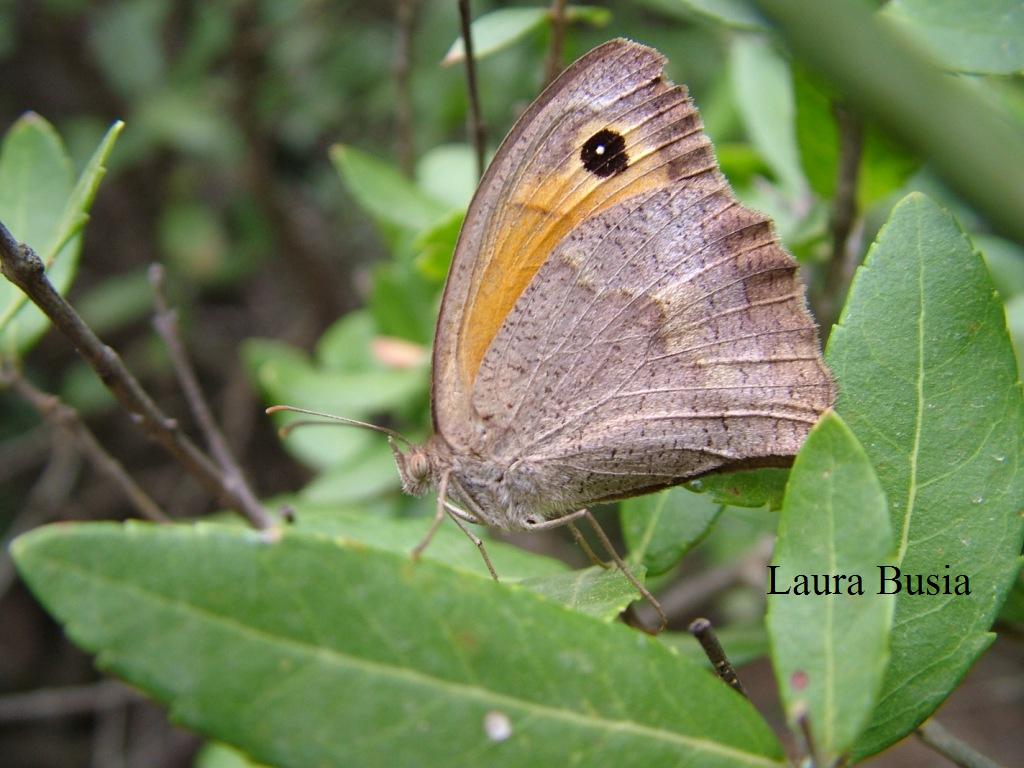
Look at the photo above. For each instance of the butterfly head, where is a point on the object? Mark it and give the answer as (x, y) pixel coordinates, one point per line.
(414, 466)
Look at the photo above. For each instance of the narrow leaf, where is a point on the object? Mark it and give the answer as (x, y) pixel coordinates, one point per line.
(750, 488)
(928, 382)
(764, 94)
(500, 29)
(305, 651)
(43, 208)
(384, 192)
(830, 650)
(660, 528)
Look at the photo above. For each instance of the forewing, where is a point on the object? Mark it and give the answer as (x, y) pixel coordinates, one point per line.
(536, 191)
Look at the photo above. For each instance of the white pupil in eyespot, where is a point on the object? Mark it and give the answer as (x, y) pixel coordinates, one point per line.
(599, 149)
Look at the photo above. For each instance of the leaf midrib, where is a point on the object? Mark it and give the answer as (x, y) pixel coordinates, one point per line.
(919, 415)
(418, 678)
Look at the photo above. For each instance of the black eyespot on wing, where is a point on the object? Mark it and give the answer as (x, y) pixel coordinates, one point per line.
(604, 153)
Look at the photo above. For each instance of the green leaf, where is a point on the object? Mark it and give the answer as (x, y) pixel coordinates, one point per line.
(739, 14)
(302, 650)
(660, 528)
(448, 173)
(215, 755)
(600, 592)
(830, 650)
(980, 36)
(742, 644)
(500, 29)
(449, 547)
(346, 345)
(366, 474)
(435, 248)
(928, 382)
(749, 488)
(353, 394)
(764, 94)
(45, 210)
(384, 192)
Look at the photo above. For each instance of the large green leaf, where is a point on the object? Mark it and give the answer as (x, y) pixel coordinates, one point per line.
(45, 209)
(660, 528)
(304, 651)
(449, 546)
(830, 650)
(928, 382)
(981, 36)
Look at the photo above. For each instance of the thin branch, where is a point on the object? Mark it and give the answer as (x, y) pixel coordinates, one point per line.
(949, 746)
(477, 130)
(844, 211)
(553, 63)
(65, 418)
(49, 703)
(405, 14)
(803, 722)
(166, 323)
(705, 634)
(23, 267)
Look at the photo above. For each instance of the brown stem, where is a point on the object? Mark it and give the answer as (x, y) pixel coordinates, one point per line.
(476, 123)
(844, 211)
(553, 63)
(60, 702)
(405, 13)
(166, 323)
(949, 746)
(66, 419)
(23, 267)
(705, 634)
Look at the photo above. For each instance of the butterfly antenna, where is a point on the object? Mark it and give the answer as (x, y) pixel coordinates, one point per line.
(287, 429)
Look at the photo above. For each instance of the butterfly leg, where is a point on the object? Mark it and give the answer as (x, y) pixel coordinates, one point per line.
(610, 548)
(583, 544)
(476, 541)
(442, 493)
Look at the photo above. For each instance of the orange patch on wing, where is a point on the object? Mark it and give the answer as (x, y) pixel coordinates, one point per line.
(539, 219)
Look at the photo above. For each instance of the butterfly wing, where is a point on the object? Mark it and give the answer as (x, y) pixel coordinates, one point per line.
(627, 324)
(533, 194)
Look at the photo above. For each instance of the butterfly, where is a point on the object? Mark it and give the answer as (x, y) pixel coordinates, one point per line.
(614, 321)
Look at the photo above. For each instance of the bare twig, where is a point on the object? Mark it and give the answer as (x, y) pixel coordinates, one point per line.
(705, 634)
(949, 746)
(23, 267)
(48, 703)
(166, 323)
(476, 123)
(803, 722)
(405, 14)
(66, 419)
(844, 211)
(553, 64)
